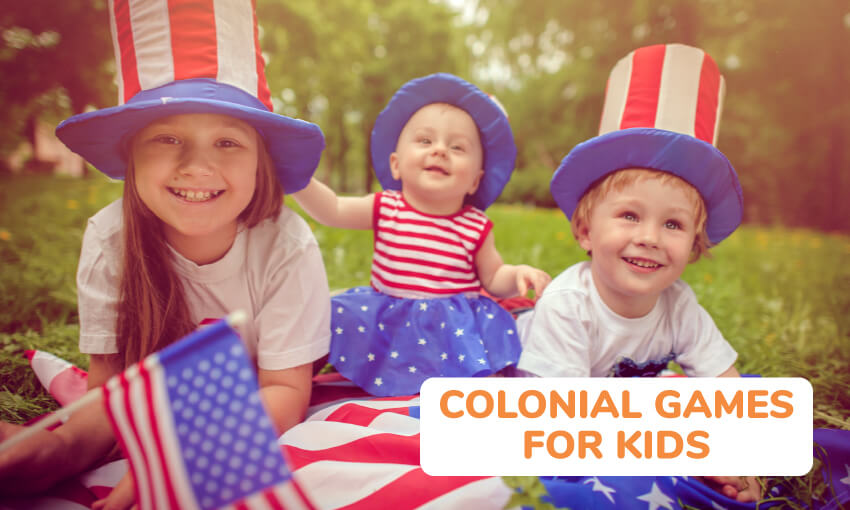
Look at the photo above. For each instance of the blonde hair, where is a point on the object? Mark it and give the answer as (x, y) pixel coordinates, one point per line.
(152, 309)
(618, 180)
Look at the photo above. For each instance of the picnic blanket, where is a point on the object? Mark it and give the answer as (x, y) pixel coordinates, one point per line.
(358, 452)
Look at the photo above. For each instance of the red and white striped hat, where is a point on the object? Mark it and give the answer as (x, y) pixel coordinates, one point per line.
(190, 56)
(662, 111)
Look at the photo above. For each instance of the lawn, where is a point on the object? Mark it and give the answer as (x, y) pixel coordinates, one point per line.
(780, 296)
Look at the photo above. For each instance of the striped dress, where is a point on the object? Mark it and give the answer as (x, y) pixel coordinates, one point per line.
(423, 315)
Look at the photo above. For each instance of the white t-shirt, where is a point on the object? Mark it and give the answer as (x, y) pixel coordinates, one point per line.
(274, 272)
(573, 333)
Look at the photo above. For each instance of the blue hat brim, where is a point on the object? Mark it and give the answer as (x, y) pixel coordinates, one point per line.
(101, 136)
(697, 162)
(497, 139)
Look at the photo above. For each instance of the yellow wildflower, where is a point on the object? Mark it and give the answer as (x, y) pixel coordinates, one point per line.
(73, 204)
(5, 235)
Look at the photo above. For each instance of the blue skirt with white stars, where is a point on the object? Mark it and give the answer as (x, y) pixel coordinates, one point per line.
(388, 345)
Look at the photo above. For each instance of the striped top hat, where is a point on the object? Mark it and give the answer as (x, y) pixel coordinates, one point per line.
(662, 111)
(497, 139)
(190, 56)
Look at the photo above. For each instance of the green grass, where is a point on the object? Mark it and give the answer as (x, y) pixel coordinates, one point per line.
(781, 297)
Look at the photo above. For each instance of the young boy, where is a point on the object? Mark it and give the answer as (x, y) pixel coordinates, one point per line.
(647, 196)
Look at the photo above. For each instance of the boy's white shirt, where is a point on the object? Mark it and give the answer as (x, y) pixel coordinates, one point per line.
(572, 333)
(274, 272)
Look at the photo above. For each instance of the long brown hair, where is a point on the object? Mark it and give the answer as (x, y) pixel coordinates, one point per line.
(152, 308)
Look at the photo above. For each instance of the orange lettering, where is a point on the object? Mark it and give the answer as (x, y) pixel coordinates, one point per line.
(697, 404)
(662, 451)
(488, 404)
(502, 413)
(722, 406)
(604, 404)
(702, 447)
(775, 400)
(659, 404)
(550, 444)
(530, 442)
(523, 403)
(444, 404)
(752, 397)
(624, 444)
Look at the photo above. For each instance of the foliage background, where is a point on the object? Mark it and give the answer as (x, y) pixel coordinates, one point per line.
(786, 124)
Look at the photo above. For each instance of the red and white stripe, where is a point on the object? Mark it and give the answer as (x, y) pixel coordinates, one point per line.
(61, 379)
(672, 87)
(419, 255)
(364, 454)
(147, 432)
(160, 41)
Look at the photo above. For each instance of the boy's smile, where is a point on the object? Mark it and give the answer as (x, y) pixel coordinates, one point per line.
(641, 239)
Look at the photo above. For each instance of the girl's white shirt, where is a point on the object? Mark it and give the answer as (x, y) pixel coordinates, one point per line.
(274, 272)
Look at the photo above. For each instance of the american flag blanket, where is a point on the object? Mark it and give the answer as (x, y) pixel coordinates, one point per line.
(355, 451)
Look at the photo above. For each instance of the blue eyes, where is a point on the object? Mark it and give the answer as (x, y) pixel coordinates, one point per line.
(669, 224)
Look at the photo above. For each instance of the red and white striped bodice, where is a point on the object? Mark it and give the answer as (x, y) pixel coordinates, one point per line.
(418, 255)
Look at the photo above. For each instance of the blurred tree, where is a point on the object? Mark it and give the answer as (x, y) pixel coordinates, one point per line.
(55, 58)
(786, 122)
(339, 65)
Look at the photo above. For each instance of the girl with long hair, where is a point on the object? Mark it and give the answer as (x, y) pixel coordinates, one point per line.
(201, 229)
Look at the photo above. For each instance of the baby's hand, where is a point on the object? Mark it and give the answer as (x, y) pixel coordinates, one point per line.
(745, 489)
(122, 497)
(528, 277)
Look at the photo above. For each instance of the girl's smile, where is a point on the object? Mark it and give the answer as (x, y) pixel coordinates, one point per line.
(196, 196)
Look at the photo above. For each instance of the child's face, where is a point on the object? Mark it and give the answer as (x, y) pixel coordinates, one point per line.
(641, 238)
(438, 158)
(196, 173)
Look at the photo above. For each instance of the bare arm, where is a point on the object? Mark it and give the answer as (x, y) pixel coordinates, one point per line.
(730, 372)
(505, 280)
(77, 445)
(326, 207)
(285, 394)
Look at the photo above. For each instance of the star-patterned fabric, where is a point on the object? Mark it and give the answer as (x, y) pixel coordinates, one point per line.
(388, 346)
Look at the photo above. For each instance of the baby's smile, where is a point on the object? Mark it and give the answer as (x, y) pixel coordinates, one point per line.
(437, 169)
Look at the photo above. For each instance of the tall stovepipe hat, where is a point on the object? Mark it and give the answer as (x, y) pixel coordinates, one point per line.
(189, 56)
(662, 112)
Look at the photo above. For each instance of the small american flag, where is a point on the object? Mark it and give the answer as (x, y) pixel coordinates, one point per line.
(191, 424)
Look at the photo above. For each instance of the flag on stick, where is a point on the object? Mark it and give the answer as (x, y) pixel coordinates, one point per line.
(194, 430)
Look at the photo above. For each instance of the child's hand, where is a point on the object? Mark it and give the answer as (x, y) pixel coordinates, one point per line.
(528, 277)
(745, 489)
(122, 497)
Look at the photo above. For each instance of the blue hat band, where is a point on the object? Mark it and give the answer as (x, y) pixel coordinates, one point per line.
(199, 88)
